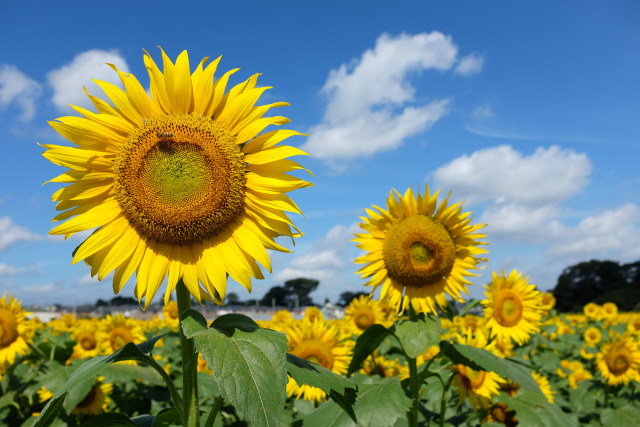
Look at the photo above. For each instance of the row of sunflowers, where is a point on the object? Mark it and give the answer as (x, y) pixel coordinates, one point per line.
(585, 365)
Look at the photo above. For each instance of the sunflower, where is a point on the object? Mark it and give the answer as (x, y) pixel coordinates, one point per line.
(171, 315)
(181, 184)
(419, 250)
(66, 323)
(512, 307)
(96, 401)
(479, 386)
(593, 311)
(322, 344)
(619, 360)
(610, 312)
(543, 384)
(116, 331)
(15, 332)
(377, 364)
(313, 314)
(592, 336)
(501, 413)
(86, 340)
(363, 312)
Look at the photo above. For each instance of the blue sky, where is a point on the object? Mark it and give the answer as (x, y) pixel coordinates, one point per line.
(527, 110)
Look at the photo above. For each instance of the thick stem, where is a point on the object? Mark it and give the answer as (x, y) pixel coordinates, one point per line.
(190, 410)
(414, 383)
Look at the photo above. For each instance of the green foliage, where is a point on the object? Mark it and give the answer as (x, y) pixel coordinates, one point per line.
(417, 335)
(366, 344)
(248, 364)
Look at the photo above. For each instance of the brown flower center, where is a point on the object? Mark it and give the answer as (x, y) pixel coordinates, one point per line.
(8, 328)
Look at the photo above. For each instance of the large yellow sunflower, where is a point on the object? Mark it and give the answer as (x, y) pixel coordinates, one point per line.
(363, 312)
(419, 250)
(513, 307)
(320, 343)
(619, 360)
(181, 184)
(15, 332)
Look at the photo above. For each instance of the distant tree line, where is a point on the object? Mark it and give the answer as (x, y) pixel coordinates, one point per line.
(599, 282)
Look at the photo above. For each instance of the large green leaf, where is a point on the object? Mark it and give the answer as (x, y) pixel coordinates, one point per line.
(248, 363)
(328, 415)
(109, 420)
(481, 359)
(86, 373)
(417, 335)
(381, 402)
(625, 416)
(533, 409)
(366, 344)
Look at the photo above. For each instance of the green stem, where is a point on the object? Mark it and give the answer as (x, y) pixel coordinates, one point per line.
(190, 412)
(175, 396)
(443, 402)
(414, 383)
(214, 412)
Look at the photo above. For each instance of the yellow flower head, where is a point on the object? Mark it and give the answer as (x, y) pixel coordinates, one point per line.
(619, 360)
(116, 331)
(96, 401)
(544, 385)
(86, 337)
(512, 307)
(181, 184)
(322, 344)
(364, 312)
(313, 314)
(593, 311)
(171, 314)
(419, 250)
(15, 332)
(377, 364)
(592, 336)
(610, 311)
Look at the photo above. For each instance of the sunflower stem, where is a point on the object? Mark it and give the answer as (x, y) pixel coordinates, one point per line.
(414, 384)
(190, 410)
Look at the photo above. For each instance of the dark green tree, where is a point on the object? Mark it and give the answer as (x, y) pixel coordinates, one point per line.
(347, 296)
(277, 293)
(599, 282)
(302, 288)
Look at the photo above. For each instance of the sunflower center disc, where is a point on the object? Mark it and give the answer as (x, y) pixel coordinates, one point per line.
(618, 362)
(508, 310)
(180, 179)
(363, 320)
(8, 328)
(418, 252)
(88, 343)
(475, 378)
(119, 337)
(315, 352)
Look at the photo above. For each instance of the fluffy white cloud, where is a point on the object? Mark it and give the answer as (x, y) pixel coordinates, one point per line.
(326, 259)
(11, 233)
(17, 88)
(470, 64)
(368, 108)
(611, 234)
(523, 223)
(549, 175)
(68, 81)
(6, 270)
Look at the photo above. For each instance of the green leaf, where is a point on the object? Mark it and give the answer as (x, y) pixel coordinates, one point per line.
(328, 415)
(231, 321)
(481, 359)
(207, 386)
(416, 336)
(167, 417)
(381, 402)
(124, 373)
(366, 344)
(533, 409)
(109, 420)
(625, 416)
(248, 364)
(469, 306)
(7, 398)
(88, 371)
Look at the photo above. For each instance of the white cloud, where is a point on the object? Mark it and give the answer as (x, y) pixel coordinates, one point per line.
(549, 175)
(470, 64)
(16, 88)
(11, 233)
(6, 270)
(522, 223)
(368, 108)
(483, 112)
(68, 81)
(610, 234)
(326, 260)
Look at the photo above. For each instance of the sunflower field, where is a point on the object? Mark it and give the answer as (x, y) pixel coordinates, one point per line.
(181, 187)
(576, 369)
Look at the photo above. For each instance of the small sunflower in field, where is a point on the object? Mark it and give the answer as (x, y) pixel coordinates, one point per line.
(544, 385)
(171, 315)
(116, 331)
(313, 314)
(593, 311)
(364, 312)
(320, 343)
(592, 336)
(577, 376)
(418, 251)
(16, 332)
(96, 401)
(619, 360)
(512, 307)
(179, 184)
(428, 355)
(377, 364)
(479, 386)
(501, 413)
(86, 338)
(66, 323)
(610, 312)
(548, 302)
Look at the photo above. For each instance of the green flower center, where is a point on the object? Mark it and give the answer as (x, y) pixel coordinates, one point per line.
(180, 179)
(419, 252)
